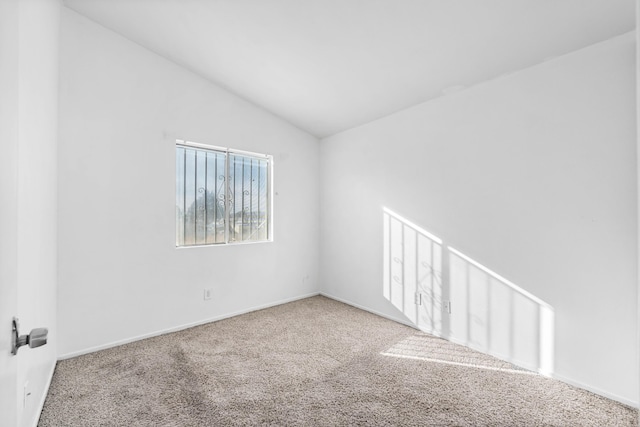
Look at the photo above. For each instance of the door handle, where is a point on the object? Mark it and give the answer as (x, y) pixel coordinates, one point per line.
(36, 338)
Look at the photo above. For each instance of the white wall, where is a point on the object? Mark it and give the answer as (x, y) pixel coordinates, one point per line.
(532, 175)
(121, 277)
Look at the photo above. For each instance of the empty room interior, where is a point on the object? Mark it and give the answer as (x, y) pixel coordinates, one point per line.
(318, 212)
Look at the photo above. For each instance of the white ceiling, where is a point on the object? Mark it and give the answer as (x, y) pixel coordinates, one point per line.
(330, 65)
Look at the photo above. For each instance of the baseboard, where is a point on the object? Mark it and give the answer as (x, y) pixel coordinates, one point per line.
(284, 301)
(182, 327)
(453, 340)
(554, 376)
(363, 308)
(596, 390)
(44, 395)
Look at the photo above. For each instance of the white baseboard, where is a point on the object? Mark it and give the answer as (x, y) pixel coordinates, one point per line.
(36, 419)
(596, 390)
(554, 376)
(181, 327)
(377, 313)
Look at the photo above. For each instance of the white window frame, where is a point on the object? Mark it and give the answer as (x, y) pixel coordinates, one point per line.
(227, 207)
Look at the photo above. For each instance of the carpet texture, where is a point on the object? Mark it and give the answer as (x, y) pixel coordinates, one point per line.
(313, 362)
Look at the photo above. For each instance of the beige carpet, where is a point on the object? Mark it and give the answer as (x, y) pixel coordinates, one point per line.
(314, 362)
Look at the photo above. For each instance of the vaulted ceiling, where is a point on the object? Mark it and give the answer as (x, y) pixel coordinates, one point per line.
(330, 65)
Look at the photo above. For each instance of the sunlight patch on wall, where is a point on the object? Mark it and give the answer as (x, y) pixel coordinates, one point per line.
(446, 293)
(494, 315)
(413, 271)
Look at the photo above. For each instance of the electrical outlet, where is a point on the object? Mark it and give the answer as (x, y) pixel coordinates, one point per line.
(446, 306)
(417, 298)
(207, 294)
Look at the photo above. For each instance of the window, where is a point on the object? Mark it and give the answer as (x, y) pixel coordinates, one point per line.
(222, 195)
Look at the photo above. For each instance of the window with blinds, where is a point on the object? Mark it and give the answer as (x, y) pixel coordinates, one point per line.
(222, 196)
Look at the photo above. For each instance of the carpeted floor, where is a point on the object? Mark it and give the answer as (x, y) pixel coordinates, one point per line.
(313, 362)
